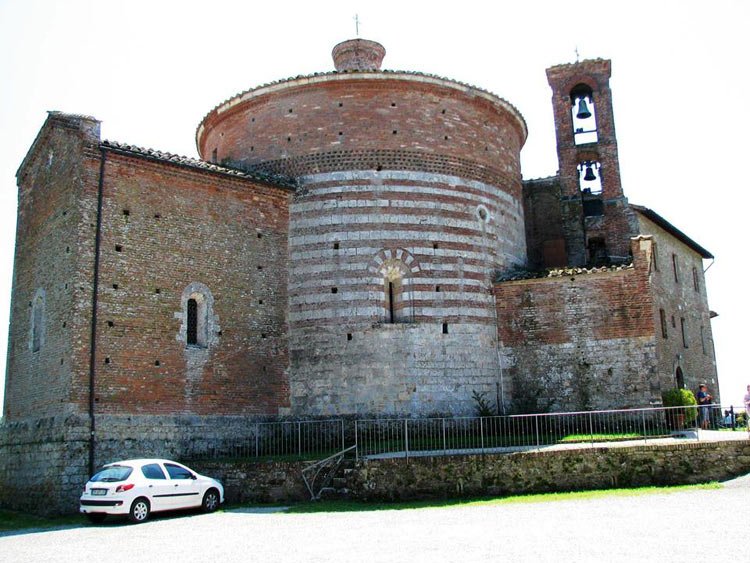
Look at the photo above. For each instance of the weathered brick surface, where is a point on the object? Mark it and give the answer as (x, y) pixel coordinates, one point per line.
(366, 121)
(617, 224)
(53, 248)
(684, 298)
(580, 341)
(181, 227)
(164, 227)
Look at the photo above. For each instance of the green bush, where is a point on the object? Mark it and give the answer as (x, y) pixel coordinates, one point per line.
(681, 398)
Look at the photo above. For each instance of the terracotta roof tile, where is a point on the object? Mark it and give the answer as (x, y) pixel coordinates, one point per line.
(268, 178)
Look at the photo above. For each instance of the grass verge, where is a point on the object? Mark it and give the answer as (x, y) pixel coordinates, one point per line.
(354, 506)
(11, 520)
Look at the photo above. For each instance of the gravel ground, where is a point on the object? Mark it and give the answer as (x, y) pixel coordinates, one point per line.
(666, 527)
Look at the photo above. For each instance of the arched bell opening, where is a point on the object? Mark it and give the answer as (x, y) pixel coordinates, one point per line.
(590, 177)
(583, 112)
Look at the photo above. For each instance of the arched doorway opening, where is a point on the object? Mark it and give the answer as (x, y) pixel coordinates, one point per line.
(679, 378)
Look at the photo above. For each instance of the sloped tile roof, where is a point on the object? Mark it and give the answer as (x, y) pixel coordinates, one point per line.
(516, 275)
(161, 156)
(671, 229)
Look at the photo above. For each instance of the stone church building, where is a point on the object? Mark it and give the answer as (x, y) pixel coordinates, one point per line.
(353, 242)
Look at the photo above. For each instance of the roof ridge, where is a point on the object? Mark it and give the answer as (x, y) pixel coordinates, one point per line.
(267, 177)
(355, 72)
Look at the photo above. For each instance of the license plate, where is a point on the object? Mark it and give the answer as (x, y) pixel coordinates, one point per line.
(98, 492)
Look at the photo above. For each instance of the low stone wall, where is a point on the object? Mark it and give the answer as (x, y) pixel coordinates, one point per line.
(43, 464)
(254, 482)
(493, 474)
(552, 471)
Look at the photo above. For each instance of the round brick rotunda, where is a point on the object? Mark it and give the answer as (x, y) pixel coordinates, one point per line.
(408, 202)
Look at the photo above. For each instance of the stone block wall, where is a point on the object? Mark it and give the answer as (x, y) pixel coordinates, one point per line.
(679, 289)
(393, 369)
(580, 340)
(43, 464)
(546, 472)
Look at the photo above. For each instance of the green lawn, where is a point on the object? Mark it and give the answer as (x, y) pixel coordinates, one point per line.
(11, 520)
(354, 506)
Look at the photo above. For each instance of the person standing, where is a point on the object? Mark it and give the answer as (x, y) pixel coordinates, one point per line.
(747, 407)
(704, 403)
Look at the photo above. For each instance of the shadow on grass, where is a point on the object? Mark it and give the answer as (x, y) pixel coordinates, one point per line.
(362, 506)
(14, 523)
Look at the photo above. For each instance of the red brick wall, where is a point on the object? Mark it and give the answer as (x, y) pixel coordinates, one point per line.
(579, 340)
(164, 227)
(369, 120)
(53, 220)
(617, 224)
(185, 226)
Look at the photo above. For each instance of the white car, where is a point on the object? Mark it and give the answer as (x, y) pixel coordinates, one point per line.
(138, 487)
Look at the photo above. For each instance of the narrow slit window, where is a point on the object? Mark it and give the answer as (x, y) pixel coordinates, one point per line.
(391, 310)
(192, 322)
(37, 323)
(663, 319)
(683, 327)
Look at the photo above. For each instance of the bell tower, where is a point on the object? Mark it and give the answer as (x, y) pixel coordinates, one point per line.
(597, 223)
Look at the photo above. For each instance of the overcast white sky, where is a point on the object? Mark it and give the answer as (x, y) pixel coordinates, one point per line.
(150, 70)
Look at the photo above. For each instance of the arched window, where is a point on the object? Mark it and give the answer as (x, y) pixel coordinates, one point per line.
(397, 299)
(192, 322)
(394, 300)
(200, 327)
(38, 319)
(397, 268)
(583, 115)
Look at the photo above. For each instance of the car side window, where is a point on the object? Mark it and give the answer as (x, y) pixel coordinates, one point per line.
(177, 472)
(153, 471)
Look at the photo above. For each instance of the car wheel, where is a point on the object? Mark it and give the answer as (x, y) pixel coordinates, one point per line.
(211, 500)
(96, 518)
(139, 510)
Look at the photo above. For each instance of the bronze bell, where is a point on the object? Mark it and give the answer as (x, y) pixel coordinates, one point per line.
(583, 109)
(589, 176)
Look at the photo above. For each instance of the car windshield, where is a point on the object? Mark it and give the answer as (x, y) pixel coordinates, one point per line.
(112, 474)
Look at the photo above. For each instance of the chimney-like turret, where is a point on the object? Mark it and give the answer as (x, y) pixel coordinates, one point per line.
(358, 54)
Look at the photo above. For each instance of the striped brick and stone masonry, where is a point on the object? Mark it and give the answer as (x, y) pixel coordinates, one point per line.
(408, 203)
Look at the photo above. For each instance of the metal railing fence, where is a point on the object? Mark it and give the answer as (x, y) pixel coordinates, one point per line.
(445, 436)
(405, 437)
(303, 439)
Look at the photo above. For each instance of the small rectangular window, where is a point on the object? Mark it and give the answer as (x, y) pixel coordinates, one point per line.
(684, 333)
(663, 319)
(703, 340)
(675, 268)
(696, 280)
